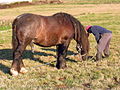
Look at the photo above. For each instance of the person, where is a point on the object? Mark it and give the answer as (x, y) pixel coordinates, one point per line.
(103, 37)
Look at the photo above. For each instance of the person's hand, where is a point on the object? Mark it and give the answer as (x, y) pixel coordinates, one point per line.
(96, 46)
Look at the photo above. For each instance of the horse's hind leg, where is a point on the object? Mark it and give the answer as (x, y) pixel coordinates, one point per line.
(61, 54)
(17, 64)
(32, 49)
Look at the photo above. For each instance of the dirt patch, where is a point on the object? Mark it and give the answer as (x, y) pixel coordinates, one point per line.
(19, 4)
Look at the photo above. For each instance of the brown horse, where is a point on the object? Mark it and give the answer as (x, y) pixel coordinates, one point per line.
(56, 30)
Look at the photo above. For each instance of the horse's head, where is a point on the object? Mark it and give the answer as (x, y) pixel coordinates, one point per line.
(81, 37)
(83, 45)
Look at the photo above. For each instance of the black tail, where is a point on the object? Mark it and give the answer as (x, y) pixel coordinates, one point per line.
(14, 36)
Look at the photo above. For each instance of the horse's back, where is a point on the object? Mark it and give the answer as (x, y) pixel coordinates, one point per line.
(56, 30)
(43, 30)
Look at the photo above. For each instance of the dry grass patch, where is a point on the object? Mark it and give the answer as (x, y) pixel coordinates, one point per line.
(79, 74)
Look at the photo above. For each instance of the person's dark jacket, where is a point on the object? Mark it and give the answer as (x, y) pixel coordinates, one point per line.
(97, 31)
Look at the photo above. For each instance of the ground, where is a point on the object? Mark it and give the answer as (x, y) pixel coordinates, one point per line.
(19, 4)
(87, 75)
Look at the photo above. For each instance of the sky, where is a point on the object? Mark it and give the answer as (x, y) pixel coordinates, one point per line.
(12, 1)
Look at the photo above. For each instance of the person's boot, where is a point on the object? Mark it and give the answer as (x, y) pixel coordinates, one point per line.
(106, 55)
(98, 56)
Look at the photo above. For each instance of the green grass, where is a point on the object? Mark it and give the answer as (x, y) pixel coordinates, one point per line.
(87, 1)
(5, 25)
(101, 75)
(96, 1)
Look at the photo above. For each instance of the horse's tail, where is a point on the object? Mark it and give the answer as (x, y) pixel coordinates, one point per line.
(14, 36)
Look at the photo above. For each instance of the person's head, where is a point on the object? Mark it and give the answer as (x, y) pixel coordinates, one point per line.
(87, 28)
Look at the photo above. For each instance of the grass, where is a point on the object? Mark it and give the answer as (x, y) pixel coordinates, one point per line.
(5, 25)
(86, 1)
(95, 1)
(79, 74)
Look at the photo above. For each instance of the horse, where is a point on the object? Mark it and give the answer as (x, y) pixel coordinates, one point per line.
(46, 31)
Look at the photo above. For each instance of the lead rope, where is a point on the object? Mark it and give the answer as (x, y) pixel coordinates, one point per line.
(43, 64)
(93, 55)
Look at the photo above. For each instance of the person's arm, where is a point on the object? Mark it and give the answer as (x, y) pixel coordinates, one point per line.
(96, 34)
(97, 37)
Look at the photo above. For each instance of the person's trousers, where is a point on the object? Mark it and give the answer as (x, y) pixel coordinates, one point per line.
(104, 43)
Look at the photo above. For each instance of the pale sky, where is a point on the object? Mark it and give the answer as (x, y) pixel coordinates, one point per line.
(11, 1)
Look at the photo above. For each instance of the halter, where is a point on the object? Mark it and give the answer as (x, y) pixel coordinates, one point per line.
(84, 54)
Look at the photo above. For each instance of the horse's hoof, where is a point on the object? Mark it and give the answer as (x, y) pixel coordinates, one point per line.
(14, 72)
(23, 70)
(61, 66)
(84, 58)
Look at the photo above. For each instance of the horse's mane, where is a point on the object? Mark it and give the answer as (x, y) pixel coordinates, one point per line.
(78, 27)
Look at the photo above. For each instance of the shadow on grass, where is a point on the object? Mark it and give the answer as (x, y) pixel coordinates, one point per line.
(54, 50)
(4, 68)
(68, 53)
(6, 54)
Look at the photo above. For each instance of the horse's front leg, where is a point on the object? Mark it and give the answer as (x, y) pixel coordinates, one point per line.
(84, 55)
(17, 64)
(78, 48)
(61, 54)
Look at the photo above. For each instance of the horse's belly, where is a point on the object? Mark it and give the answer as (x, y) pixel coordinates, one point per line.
(46, 42)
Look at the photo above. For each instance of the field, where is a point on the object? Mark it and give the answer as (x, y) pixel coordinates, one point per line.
(79, 75)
